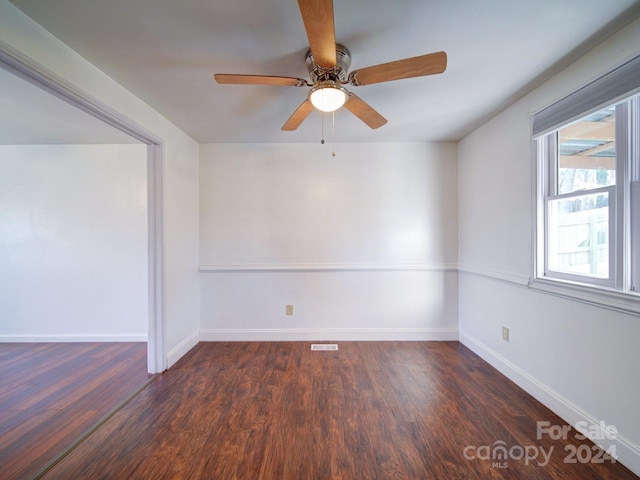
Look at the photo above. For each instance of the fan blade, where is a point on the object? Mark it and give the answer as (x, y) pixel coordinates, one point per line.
(364, 111)
(298, 116)
(317, 16)
(430, 64)
(260, 80)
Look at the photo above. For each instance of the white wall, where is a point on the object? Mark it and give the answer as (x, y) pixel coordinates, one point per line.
(363, 244)
(73, 243)
(580, 360)
(180, 170)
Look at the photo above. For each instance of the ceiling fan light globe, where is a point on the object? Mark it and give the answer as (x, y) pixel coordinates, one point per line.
(328, 97)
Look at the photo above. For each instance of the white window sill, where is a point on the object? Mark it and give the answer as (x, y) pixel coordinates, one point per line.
(625, 302)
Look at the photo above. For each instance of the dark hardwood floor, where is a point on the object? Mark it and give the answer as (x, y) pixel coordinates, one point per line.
(372, 410)
(51, 393)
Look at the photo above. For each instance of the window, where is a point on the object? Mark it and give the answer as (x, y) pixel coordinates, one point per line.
(588, 191)
(580, 199)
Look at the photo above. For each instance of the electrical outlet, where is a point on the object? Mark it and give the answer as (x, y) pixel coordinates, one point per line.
(289, 310)
(505, 334)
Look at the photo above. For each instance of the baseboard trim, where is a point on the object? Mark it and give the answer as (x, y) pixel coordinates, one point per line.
(71, 338)
(628, 453)
(350, 334)
(180, 350)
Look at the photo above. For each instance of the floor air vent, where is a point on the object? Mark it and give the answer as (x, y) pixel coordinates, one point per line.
(324, 346)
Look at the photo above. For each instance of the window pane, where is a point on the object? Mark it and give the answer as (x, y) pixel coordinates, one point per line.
(587, 152)
(635, 236)
(578, 231)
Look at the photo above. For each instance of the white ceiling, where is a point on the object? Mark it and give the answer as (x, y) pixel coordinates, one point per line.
(166, 52)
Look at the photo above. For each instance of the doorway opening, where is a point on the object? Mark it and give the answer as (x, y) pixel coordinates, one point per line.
(25, 68)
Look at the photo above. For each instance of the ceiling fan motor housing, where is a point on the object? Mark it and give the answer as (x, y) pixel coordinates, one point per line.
(338, 74)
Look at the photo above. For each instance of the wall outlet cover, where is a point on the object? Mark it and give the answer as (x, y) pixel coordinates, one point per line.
(505, 334)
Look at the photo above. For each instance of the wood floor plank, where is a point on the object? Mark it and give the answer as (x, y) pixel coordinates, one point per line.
(388, 410)
(50, 394)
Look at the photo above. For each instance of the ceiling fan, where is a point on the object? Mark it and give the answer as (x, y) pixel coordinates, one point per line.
(328, 63)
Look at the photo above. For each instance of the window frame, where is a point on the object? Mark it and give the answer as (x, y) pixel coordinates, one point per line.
(634, 193)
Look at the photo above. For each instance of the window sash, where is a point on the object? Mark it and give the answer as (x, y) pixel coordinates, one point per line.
(610, 279)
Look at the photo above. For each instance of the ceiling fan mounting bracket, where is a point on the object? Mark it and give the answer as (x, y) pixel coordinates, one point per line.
(337, 74)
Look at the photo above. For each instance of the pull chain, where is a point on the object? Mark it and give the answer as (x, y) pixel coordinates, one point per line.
(333, 132)
(333, 141)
